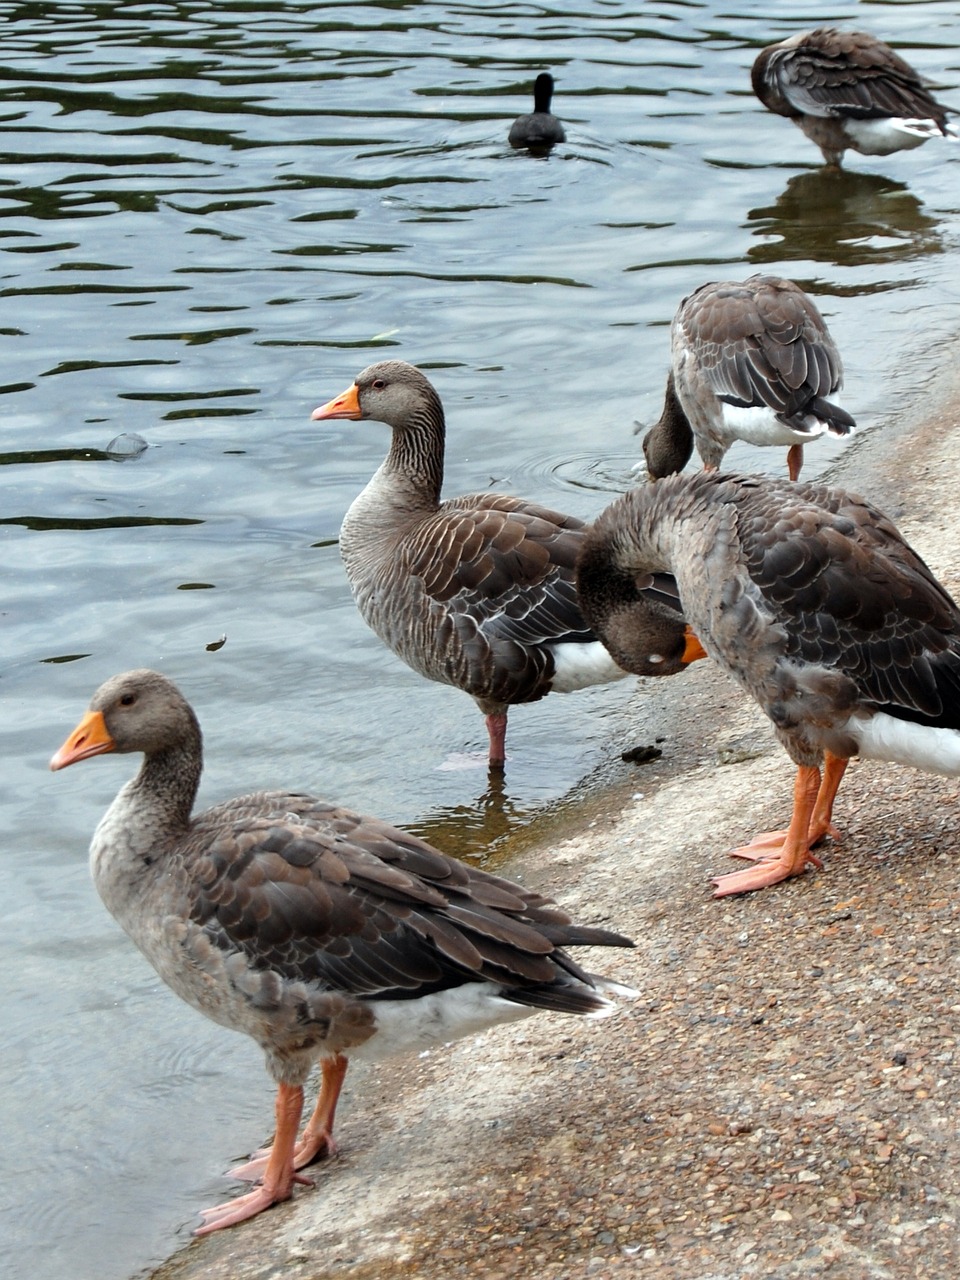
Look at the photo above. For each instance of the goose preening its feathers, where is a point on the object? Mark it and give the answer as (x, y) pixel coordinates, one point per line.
(752, 361)
(811, 599)
(539, 130)
(322, 934)
(847, 89)
(477, 591)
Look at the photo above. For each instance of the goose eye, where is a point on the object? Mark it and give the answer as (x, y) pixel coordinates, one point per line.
(378, 384)
(128, 700)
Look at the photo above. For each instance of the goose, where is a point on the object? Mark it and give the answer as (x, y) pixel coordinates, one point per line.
(539, 130)
(811, 599)
(751, 360)
(847, 89)
(477, 591)
(323, 934)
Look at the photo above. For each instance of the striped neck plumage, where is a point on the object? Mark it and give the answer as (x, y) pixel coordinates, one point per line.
(415, 459)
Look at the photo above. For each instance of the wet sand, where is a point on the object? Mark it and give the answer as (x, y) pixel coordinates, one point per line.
(781, 1099)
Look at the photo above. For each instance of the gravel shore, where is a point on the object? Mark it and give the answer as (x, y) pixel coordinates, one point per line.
(781, 1099)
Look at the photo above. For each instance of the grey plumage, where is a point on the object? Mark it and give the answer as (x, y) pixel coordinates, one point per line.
(813, 601)
(750, 360)
(476, 591)
(847, 89)
(301, 923)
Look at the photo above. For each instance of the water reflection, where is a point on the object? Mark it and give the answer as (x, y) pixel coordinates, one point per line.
(124, 447)
(847, 218)
(470, 830)
(43, 524)
(18, 457)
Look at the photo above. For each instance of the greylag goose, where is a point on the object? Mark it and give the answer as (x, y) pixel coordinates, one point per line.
(752, 361)
(477, 591)
(322, 934)
(811, 599)
(540, 130)
(847, 89)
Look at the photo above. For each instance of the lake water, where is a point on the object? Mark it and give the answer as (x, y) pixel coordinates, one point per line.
(212, 216)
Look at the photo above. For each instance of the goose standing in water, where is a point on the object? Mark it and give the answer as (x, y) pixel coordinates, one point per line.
(752, 361)
(847, 89)
(478, 591)
(811, 599)
(539, 130)
(322, 934)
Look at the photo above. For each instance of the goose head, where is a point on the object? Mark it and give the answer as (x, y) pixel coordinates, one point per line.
(390, 391)
(137, 711)
(668, 445)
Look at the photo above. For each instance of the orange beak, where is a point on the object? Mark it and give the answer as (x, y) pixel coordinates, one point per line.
(345, 405)
(693, 650)
(89, 738)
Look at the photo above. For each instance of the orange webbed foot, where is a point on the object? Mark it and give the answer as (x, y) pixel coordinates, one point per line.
(310, 1147)
(779, 855)
(239, 1210)
(277, 1172)
(765, 872)
(768, 847)
(776, 856)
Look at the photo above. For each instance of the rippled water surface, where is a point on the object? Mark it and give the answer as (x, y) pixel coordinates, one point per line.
(211, 217)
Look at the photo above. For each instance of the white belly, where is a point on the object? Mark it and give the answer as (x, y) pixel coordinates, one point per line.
(883, 737)
(578, 666)
(411, 1025)
(762, 426)
(882, 137)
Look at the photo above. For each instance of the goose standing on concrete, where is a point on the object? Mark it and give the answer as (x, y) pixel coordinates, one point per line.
(322, 934)
(811, 599)
(539, 130)
(847, 89)
(752, 361)
(478, 591)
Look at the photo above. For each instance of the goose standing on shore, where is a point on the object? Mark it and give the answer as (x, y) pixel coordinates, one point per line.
(540, 130)
(812, 600)
(322, 934)
(847, 89)
(477, 591)
(752, 361)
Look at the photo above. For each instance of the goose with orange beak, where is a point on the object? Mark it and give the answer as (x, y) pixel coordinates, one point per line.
(322, 934)
(476, 591)
(815, 604)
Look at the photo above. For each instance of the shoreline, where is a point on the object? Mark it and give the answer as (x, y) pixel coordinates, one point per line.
(780, 1100)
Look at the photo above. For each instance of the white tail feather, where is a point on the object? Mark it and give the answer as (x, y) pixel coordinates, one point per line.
(605, 987)
(894, 133)
(883, 737)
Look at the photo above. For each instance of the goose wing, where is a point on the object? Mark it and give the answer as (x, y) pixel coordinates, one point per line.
(853, 596)
(761, 343)
(318, 894)
(503, 561)
(849, 74)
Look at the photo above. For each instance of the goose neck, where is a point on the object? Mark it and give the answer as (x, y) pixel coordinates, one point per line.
(414, 463)
(155, 806)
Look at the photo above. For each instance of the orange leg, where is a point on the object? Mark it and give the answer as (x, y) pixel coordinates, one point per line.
(767, 844)
(317, 1137)
(779, 855)
(497, 729)
(794, 461)
(278, 1175)
(821, 823)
